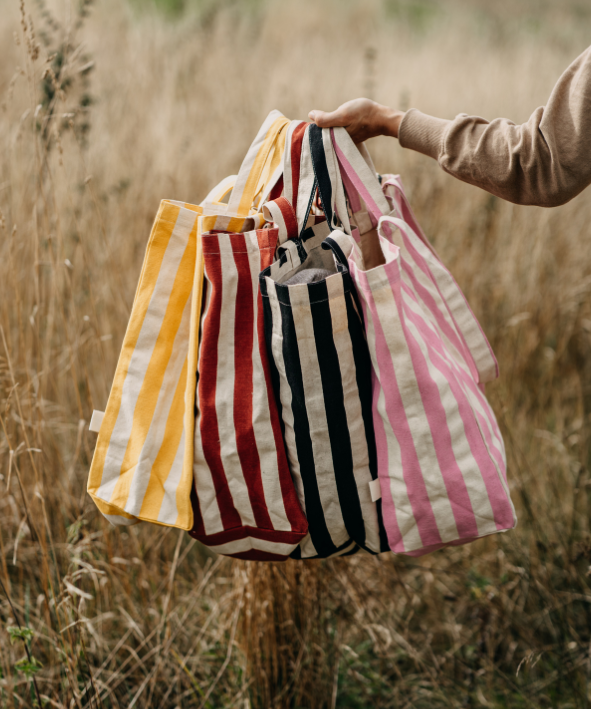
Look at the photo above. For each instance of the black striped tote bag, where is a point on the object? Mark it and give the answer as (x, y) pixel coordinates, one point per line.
(321, 373)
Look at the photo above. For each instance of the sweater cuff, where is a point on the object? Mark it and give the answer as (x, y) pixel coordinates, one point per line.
(422, 133)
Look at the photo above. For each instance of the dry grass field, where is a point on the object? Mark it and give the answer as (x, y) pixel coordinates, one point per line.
(106, 108)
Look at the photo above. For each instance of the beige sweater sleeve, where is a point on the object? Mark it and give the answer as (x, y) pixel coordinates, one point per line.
(545, 162)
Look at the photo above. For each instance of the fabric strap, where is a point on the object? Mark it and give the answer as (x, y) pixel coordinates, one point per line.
(261, 164)
(359, 177)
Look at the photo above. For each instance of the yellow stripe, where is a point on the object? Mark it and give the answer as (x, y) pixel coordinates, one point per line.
(157, 245)
(252, 181)
(236, 225)
(264, 165)
(183, 498)
(150, 389)
(193, 207)
(273, 163)
(108, 509)
(163, 463)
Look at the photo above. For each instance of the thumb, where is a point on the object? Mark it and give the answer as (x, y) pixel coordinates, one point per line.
(326, 120)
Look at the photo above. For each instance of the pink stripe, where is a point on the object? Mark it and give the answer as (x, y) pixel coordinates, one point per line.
(388, 508)
(352, 193)
(409, 217)
(466, 380)
(494, 488)
(476, 389)
(457, 338)
(444, 326)
(411, 469)
(494, 450)
(438, 425)
(470, 384)
(373, 208)
(406, 213)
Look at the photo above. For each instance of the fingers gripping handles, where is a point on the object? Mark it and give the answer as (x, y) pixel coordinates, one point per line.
(327, 161)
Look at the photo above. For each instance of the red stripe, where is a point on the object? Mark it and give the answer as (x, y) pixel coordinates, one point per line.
(244, 531)
(208, 366)
(293, 509)
(243, 383)
(277, 190)
(258, 555)
(198, 526)
(297, 138)
(289, 217)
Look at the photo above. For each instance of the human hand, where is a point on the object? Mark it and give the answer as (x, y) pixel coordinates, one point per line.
(362, 117)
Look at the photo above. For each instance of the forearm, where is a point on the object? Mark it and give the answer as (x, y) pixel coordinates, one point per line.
(542, 162)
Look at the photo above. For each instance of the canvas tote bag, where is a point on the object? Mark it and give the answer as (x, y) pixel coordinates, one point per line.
(321, 368)
(441, 458)
(142, 468)
(142, 464)
(245, 502)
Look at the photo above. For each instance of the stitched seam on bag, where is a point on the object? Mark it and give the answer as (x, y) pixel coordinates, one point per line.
(175, 222)
(262, 529)
(217, 253)
(504, 483)
(314, 302)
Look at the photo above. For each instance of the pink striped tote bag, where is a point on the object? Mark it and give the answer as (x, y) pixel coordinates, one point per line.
(441, 458)
(245, 502)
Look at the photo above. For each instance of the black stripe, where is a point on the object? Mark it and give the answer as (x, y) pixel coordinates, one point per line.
(321, 170)
(316, 523)
(297, 552)
(336, 415)
(309, 207)
(353, 551)
(363, 368)
(263, 282)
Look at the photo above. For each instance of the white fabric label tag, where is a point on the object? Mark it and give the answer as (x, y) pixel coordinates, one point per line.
(96, 420)
(375, 490)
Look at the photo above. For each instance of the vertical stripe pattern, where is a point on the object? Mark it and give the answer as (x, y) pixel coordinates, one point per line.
(139, 469)
(143, 464)
(246, 503)
(441, 458)
(322, 381)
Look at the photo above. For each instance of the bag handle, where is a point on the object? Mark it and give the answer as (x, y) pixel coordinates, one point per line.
(264, 152)
(217, 194)
(251, 170)
(359, 178)
(309, 164)
(328, 178)
(341, 245)
(291, 210)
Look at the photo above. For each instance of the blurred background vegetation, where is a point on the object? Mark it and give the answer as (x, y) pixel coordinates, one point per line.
(106, 107)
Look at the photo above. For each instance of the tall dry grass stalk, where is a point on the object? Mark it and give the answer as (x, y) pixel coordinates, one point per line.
(107, 109)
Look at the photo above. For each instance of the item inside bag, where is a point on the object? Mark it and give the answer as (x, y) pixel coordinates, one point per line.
(318, 266)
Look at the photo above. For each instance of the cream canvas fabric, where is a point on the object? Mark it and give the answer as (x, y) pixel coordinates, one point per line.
(142, 469)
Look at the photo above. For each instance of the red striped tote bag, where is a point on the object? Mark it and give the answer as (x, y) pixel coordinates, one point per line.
(441, 459)
(245, 502)
(320, 365)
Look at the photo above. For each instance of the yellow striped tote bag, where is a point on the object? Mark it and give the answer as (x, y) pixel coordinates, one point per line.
(142, 469)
